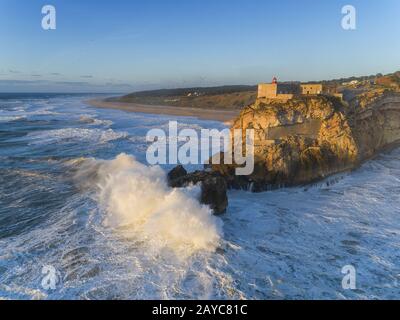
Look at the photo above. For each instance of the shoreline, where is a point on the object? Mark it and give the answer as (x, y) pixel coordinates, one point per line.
(225, 116)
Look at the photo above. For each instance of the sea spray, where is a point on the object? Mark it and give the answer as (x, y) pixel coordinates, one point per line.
(136, 197)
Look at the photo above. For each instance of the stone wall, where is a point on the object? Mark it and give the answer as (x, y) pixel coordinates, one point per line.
(279, 91)
(311, 88)
(285, 91)
(267, 90)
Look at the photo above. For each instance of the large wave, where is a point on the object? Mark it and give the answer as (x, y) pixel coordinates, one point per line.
(137, 197)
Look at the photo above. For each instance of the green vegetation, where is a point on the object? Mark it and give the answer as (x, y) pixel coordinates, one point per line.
(225, 97)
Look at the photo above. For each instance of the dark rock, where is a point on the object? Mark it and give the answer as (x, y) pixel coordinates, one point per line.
(213, 193)
(213, 186)
(176, 173)
(190, 178)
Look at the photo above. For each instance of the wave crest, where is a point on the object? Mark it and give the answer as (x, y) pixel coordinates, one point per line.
(138, 198)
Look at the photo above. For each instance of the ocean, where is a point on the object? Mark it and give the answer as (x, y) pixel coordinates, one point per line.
(77, 196)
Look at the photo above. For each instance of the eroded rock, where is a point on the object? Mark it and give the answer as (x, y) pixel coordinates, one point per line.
(176, 173)
(309, 138)
(213, 186)
(213, 193)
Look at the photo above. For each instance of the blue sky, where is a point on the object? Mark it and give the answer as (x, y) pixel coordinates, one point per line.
(127, 45)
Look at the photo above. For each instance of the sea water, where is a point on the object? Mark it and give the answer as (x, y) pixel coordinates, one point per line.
(76, 194)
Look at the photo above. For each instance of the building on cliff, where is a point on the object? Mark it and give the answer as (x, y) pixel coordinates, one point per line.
(287, 91)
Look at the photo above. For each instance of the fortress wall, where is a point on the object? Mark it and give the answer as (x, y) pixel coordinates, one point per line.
(284, 96)
(286, 91)
(267, 90)
(312, 88)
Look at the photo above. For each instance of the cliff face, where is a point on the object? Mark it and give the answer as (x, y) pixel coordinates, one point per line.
(376, 122)
(309, 138)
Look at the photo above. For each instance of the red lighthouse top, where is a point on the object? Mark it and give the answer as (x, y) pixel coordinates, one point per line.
(274, 80)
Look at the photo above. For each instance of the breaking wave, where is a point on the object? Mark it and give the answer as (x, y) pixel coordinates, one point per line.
(78, 134)
(10, 118)
(137, 198)
(87, 119)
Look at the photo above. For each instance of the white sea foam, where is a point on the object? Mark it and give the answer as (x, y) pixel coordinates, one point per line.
(137, 197)
(10, 118)
(79, 134)
(94, 121)
(23, 112)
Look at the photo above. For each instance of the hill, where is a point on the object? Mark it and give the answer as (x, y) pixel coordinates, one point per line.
(223, 97)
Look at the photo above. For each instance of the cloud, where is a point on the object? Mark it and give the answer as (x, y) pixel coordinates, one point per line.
(87, 76)
(19, 82)
(13, 71)
(36, 75)
(48, 85)
(118, 85)
(55, 74)
(33, 82)
(72, 83)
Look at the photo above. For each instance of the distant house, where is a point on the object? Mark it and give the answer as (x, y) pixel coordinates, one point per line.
(351, 83)
(194, 94)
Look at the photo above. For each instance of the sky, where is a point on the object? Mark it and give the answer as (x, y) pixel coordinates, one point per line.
(130, 45)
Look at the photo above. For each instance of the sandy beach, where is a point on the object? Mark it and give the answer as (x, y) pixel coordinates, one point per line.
(226, 116)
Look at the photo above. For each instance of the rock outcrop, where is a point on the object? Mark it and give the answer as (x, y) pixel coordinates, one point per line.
(213, 186)
(176, 173)
(302, 140)
(311, 137)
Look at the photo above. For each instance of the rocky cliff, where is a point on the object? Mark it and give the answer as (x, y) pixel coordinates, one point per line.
(311, 137)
